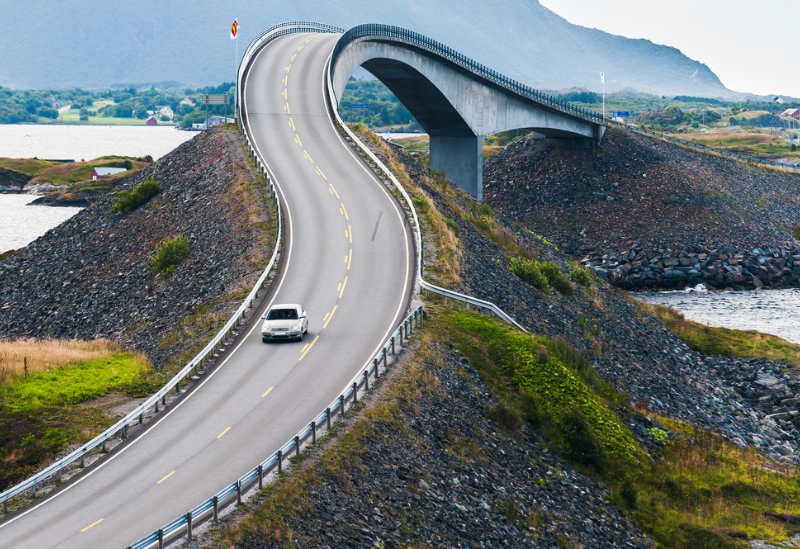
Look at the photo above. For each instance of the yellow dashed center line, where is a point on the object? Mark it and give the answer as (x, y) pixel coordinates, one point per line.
(322, 174)
(350, 259)
(166, 477)
(343, 285)
(93, 524)
(285, 93)
(309, 348)
(347, 217)
(286, 108)
(285, 79)
(305, 153)
(268, 390)
(304, 348)
(350, 233)
(301, 47)
(294, 57)
(288, 69)
(329, 317)
(334, 191)
(297, 140)
(223, 432)
(291, 123)
(326, 317)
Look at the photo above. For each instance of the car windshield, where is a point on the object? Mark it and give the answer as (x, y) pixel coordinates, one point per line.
(282, 314)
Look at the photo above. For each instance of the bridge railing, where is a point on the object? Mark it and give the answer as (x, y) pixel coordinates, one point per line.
(408, 205)
(378, 31)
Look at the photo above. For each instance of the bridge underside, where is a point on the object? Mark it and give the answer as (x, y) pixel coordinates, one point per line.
(457, 108)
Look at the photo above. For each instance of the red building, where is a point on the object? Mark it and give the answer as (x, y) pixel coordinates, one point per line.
(151, 121)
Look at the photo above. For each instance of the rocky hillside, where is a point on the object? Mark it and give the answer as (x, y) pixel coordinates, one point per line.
(649, 213)
(90, 277)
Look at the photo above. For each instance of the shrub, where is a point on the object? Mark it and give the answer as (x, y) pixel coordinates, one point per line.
(420, 203)
(505, 415)
(168, 255)
(556, 278)
(528, 270)
(533, 409)
(580, 444)
(129, 201)
(452, 224)
(581, 276)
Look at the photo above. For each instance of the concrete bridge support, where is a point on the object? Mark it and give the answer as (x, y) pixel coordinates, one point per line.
(461, 158)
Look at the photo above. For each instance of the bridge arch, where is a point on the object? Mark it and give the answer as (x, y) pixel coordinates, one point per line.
(457, 101)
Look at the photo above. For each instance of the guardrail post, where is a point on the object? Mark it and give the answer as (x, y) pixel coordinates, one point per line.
(341, 405)
(328, 416)
(160, 538)
(239, 492)
(82, 462)
(393, 352)
(375, 363)
(156, 406)
(164, 399)
(189, 526)
(401, 334)
(58, 475)
(141, 419)
(216, 508)
(366, 380)
(103, 447)
(445, 300)
(297, 446)
(33, 493)
(314, 432)
(260, 477)
(355, 392)
(178, 387)
(427, 294)
(5, 507)
(280, 461)
(124, 433)
(384, 359)
(411, 326)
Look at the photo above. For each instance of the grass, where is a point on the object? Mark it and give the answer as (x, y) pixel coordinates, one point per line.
(42, 411)
(127, 201)
(66, 173)
(710, 340)
(28, 166)
(168, 254)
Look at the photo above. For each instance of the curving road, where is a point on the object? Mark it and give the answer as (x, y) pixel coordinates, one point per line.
(347, 260)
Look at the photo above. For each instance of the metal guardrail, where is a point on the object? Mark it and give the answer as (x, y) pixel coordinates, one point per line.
(137, 415)
(703, 147)
(419, 41)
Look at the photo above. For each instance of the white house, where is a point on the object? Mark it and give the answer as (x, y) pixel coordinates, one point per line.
(164, 110)
(188, 101)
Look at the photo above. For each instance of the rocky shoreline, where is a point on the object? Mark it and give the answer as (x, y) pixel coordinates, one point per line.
(649, 214)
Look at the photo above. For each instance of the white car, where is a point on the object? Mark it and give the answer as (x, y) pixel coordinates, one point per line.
(286, 321)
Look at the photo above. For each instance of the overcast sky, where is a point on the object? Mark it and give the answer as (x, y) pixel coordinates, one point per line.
(753, 47)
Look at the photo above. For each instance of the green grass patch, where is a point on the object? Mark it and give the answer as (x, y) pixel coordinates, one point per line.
(76, 383)
(141, 194)
(28, 166)
(710, 340)
(541, 275)
(168, 255)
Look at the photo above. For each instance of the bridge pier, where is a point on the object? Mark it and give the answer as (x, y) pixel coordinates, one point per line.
(461, 158)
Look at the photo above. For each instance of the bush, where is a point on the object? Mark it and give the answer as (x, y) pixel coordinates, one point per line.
(505, 415)
(452, 224)
(129, 201)
(581, 276)
(533, 409)
(556, 278)
(580, 444)
(168, 255)
(528, 270)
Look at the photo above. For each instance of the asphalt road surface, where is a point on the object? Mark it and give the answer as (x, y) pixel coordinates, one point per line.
(348, 261)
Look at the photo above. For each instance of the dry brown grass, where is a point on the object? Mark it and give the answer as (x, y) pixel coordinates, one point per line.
(41, 355)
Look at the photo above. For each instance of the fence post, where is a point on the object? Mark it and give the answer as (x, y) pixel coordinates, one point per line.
(393, 351)
(216, 509)
(141, 418)
(375, 362)
(341, 405)
(366, 380)
(260, 477)
(82, 462)
(103, 447)
(189, 526)
(401, 334)
(384, 359)
(280, 460)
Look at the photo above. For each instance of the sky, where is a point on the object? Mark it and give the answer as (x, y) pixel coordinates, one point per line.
(751, 46)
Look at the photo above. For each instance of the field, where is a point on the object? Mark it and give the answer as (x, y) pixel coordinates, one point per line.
(764, 143)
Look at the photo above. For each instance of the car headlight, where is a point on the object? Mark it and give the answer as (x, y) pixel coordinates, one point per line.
(295, 327)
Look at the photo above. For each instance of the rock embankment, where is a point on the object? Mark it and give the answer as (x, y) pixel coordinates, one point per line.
(90, 276)
(643, 211)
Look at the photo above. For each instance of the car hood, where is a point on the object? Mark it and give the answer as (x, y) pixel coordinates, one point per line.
(272, 324)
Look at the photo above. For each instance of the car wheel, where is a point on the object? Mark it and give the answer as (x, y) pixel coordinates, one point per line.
(264, 340)
(300, 337)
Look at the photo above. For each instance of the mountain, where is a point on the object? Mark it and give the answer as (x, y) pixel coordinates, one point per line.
(91, 43)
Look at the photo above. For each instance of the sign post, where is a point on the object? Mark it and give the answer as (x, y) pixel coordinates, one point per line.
(621, 114)
(216, 99)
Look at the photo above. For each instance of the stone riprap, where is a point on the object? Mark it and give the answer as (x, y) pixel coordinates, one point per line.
(647, 213)
(90, 276)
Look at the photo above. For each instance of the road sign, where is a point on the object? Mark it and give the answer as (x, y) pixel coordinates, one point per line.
(216, 99)
(362, 106)
(621, 114)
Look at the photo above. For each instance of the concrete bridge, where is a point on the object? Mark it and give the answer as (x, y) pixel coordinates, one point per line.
(457, 101)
